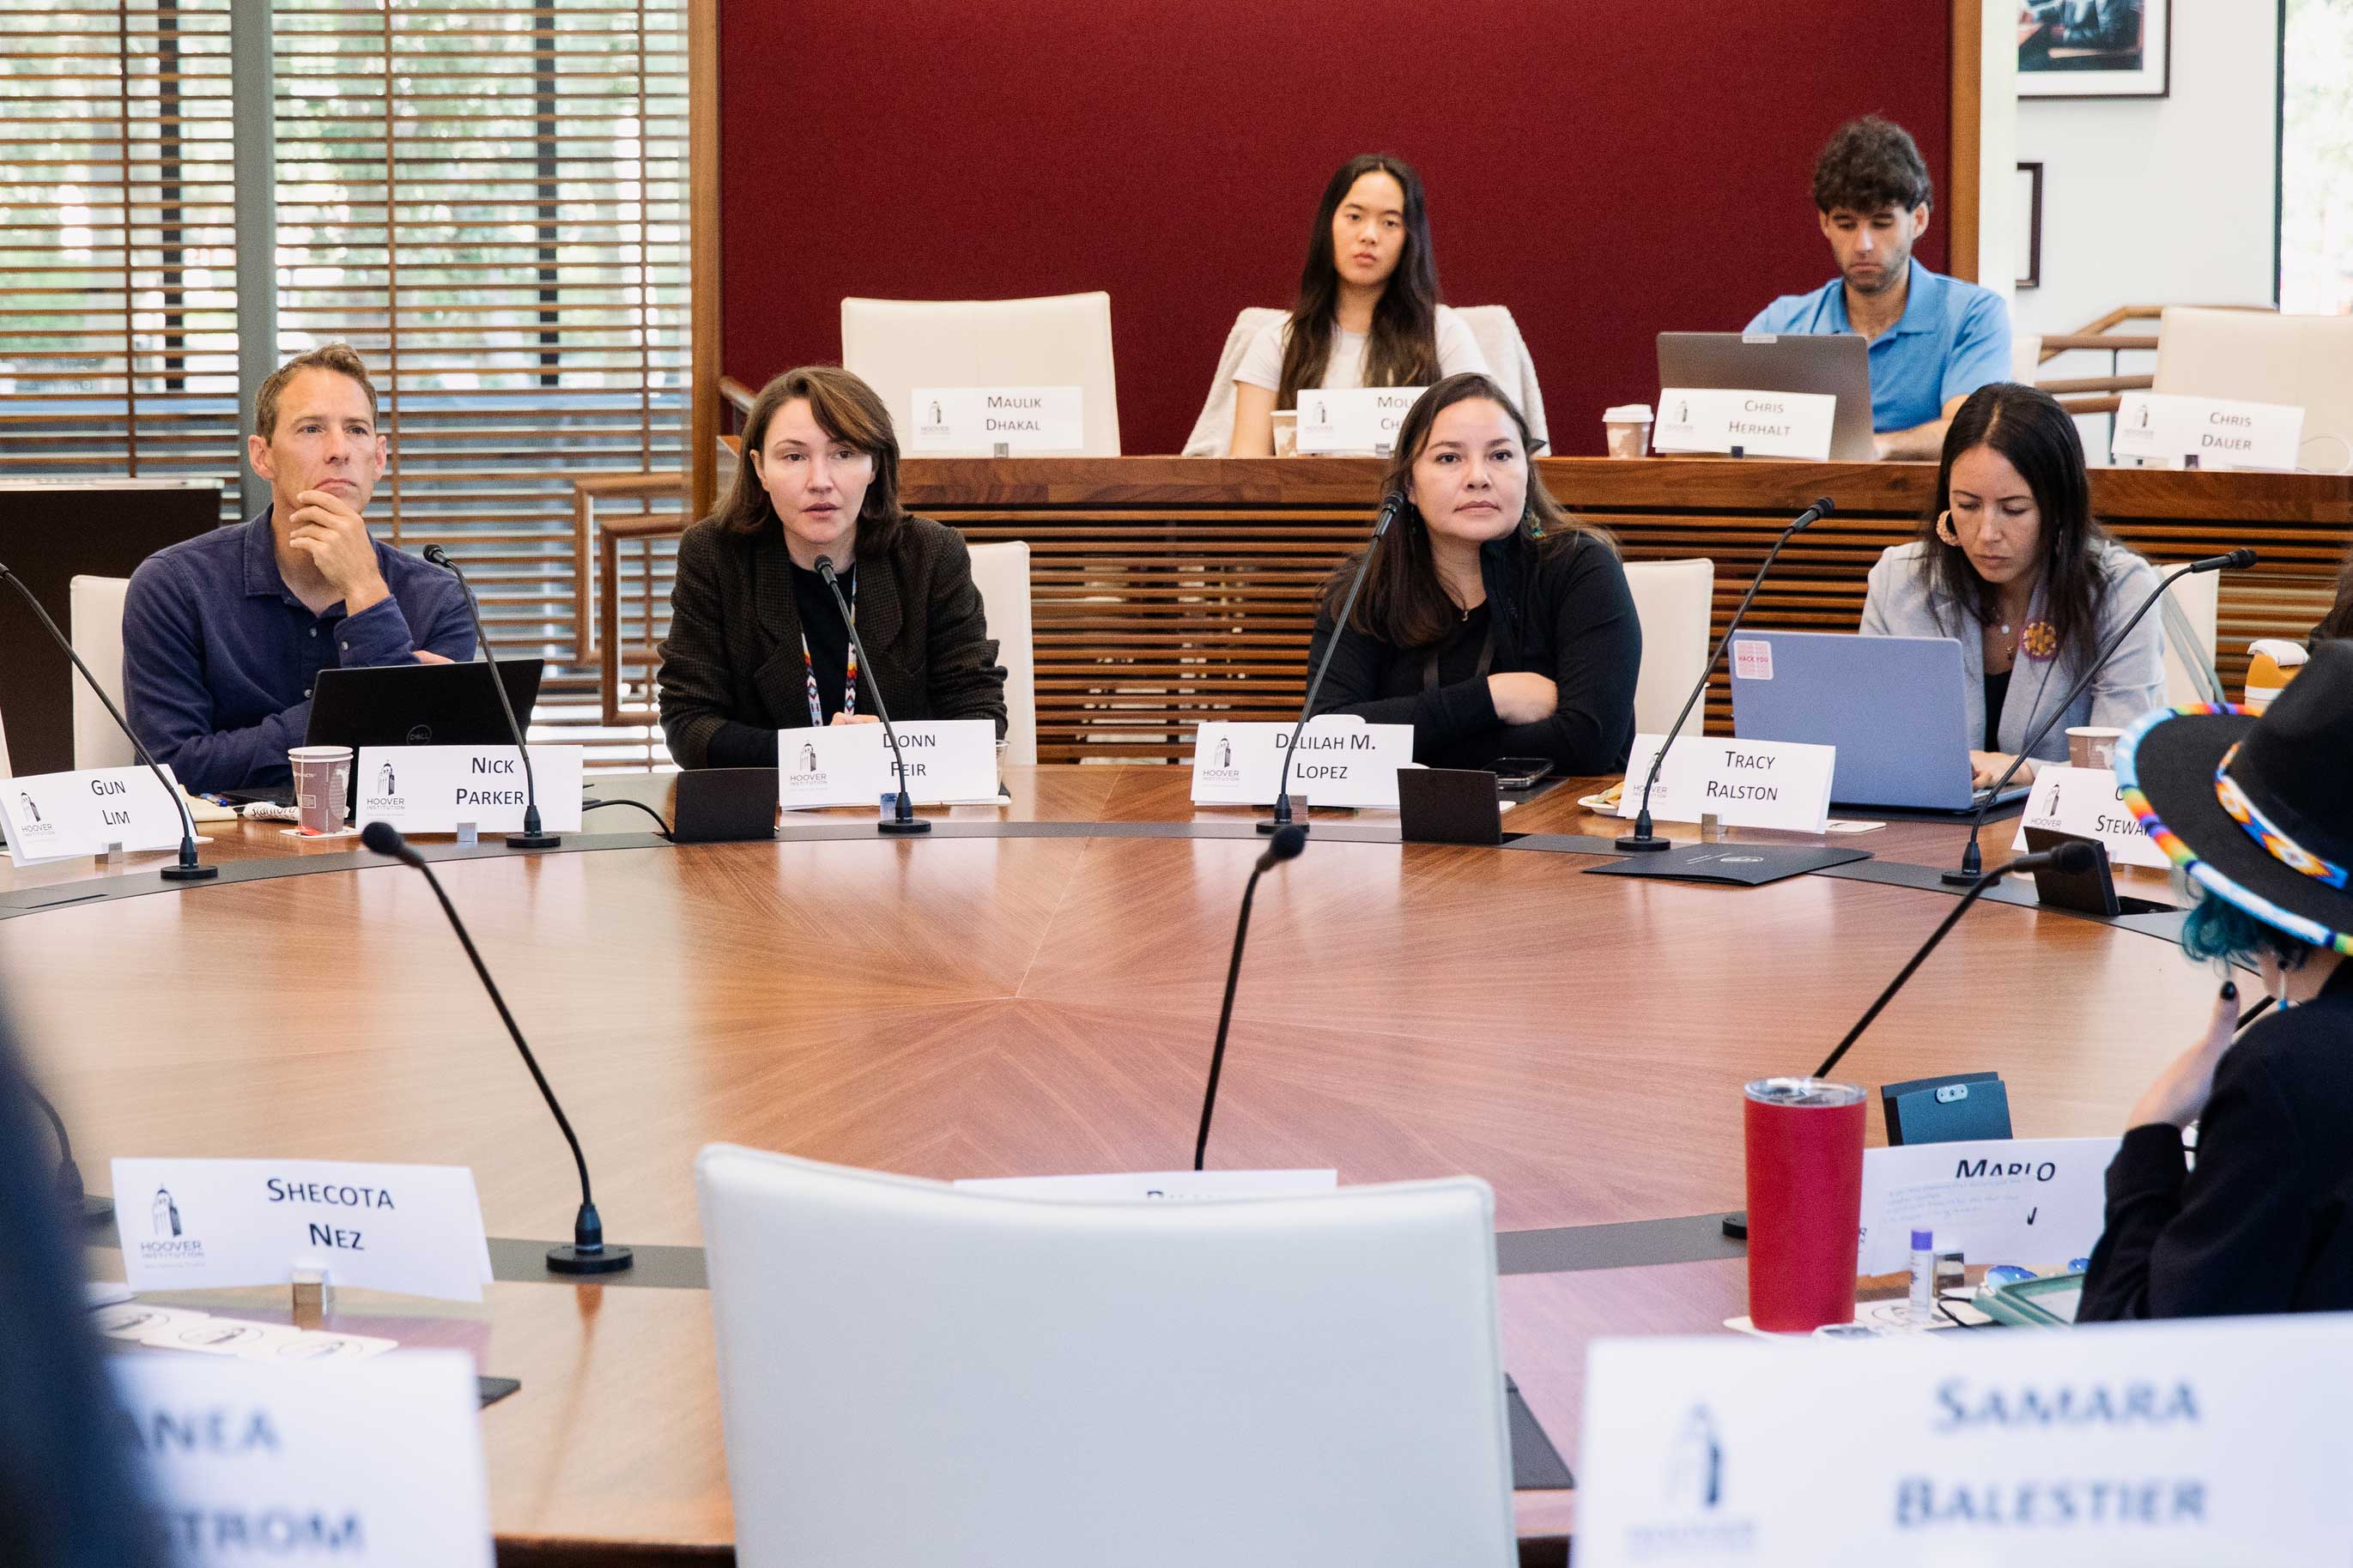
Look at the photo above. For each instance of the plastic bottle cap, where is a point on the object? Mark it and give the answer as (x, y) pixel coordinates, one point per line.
(1923, 1241)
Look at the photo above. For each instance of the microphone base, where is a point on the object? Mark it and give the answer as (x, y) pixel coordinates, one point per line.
(1272, 827)
(1960, 878)
(566, 1258)
(912, 824)
(534, 840)
(190, 873)
(97, 1208)
(1644, 843)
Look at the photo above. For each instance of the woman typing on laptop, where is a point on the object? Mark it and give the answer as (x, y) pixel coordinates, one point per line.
(2010, 562)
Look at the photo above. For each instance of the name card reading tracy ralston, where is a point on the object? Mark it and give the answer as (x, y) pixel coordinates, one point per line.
(1743, 783)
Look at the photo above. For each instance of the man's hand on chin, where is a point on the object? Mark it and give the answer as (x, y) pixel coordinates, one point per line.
(328, 529)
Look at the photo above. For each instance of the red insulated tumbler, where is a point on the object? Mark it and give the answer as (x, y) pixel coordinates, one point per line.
(1805, 1202)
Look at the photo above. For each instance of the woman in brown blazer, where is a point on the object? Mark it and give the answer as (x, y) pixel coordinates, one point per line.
(757, 643)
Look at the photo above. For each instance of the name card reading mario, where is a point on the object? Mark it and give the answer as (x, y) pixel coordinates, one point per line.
(188, 1225)
(1759, 423)
(2086, 803)
(55, 817)
(2147, 1445)
(2030, 1201)
(2161, 427)
(432, 789)
(374, 1463)
(1742, 783)
(1342, 761)
(1354, 421)
(950, 761)
(973, 421)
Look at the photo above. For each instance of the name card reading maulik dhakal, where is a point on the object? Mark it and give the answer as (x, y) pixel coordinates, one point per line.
(1353, 422)
(1760, 424)
(2163, 428)
(197, 1225)
(2030, 1201)
(1343, 761)
(973, 421)
(432, 789)
(950, 761)
(1741, 783)
(375, 1462)
(2121, 1446)
(2086, 803)
(55, 817)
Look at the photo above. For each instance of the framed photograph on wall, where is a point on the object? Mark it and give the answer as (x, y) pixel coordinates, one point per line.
(2095, 48)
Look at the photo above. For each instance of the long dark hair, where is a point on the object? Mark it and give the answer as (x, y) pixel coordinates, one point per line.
(1403, 603)
(2339, 620)
(1402, 348)
(2039, 437)
(845, 408)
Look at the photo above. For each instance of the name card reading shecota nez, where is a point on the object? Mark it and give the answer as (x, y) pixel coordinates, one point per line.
(1362, 421)
(1761, 424)
(1742, 783)
(2030, 1201)
(950, 761)
(2086, 803)
(2162, 427)
(2172, 1445)
(1342, 761)
(55, 817)
(189, 1224)
(432, 789)
(973, 421)
(374, 1463)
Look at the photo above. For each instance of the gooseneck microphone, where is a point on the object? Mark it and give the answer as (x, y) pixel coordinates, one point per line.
(1391, 504)
(189, 868)
(1971, 862)
(2074, 857)
(531, 837)
(78, 1200)
(1289, 840)
(588, 1253)
(1643, 840)
(902, 817)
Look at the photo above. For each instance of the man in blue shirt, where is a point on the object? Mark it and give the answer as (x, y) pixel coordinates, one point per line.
(1934, 340)
(223, 635)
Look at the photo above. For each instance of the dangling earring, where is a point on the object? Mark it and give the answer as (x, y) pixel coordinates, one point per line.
(1528, 520)
(1944, 528)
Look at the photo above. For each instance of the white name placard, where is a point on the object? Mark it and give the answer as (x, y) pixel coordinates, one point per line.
(950, 761)
(432, 789)
(192, 1224)
(2167, 429)
(1743, 784)
(55, 816)
(2085, 802)
(2028, 1201)
(1761, 424)
(1361, 421)
(379, 1462)
(1343, 761)
(2146, 1445)
(1178, 1186)
(976, 420)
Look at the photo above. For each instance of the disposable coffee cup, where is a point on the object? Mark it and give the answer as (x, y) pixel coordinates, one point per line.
(1804, 1142)
(322, 781)
(1286, 431)
(2089, 746)
(1628, 427)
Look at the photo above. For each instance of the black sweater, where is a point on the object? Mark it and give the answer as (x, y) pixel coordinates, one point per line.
(1560, 610)
(2260, 1225)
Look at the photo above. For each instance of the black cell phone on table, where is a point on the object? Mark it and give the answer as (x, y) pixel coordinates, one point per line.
(1519, 772)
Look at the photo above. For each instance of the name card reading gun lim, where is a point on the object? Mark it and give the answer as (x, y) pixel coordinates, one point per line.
(55, 817)
(1742, 783)
(432, 789)
(1759, 423)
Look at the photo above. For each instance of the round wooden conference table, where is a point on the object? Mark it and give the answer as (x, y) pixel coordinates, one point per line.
(1031, 989)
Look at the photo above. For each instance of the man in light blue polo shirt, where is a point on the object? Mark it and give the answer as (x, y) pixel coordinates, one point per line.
(1934, 340)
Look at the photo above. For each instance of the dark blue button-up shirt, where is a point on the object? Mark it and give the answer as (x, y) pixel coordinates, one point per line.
(219, 656)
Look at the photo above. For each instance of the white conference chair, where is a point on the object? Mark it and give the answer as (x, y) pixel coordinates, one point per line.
(1064, 339)
(1001, 573)
(2193, 605)
(2256, 356)
(2025, 357)
(1672, 599)
(94, 622)
(1213, 431)
(911, 1372)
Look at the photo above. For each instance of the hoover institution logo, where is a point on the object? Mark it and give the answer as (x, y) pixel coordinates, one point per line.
(167, 1244)
(1691, 1522)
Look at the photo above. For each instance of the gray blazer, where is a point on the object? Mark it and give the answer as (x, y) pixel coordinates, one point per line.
(1904, 603)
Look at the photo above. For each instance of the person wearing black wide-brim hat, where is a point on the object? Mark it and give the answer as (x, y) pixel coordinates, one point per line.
(2259, 813)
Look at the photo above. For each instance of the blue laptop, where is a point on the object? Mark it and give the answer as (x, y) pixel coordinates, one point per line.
(1894, 707)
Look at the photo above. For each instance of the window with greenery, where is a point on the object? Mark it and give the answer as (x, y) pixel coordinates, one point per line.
(2316, 157)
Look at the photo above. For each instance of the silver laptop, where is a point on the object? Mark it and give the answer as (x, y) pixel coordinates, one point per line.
(1835, 363)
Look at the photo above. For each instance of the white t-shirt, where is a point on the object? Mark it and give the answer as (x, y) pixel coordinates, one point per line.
(1262, 364)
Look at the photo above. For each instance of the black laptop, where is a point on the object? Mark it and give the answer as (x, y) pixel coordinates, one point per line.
(420, 704)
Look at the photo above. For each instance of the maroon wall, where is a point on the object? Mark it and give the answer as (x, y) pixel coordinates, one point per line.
(1606, 168)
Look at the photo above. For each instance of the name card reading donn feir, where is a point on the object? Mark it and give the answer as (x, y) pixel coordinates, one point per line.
(1761, 424)
(55, 817)
(2086, 803)
(950, 761)
(1153, 1186)
(193, 1225)
(2146, 1445)
(2028, 1201)
(2163, 428)
(377, 1462)
(1357, 421)
(1742, 783)
(973, 421)
(432, 789)
(1343, 761)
